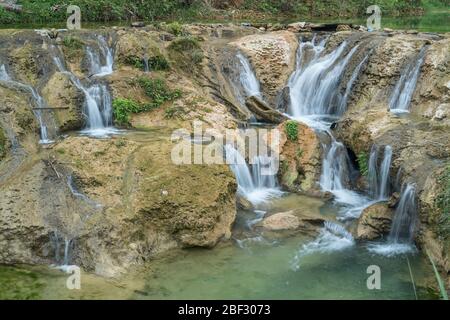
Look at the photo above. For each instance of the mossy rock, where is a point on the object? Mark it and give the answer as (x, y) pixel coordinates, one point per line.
(3, 144)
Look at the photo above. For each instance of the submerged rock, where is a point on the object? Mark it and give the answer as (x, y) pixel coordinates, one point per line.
(281, 221)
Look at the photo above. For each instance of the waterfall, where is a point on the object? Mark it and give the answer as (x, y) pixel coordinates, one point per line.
(314, 90)
(68, 246)
(247, 77)
(315, 100)
(307, 51)
(348, 90)
(38, 101)
(404, 222)
(406, 85)
(401, 236)
(252, 183)
(97, 67)
(378, 176)
(146, 65)
(98, 103)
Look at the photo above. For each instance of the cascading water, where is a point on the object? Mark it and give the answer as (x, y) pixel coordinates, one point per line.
(313, 89)
(252, 183)
(404, 223)
(98, 104)
(406, 85)
(379, 177)
(247, 77)
(401, 236)
(38, 101)
(332, 237)
(315, 100)
(105, 54)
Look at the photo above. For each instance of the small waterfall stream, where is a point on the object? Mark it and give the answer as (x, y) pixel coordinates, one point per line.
(379, 174)
(98, 103)
(39, 106)
(101, 63)
(248, 78)
(404, 89)
(404, 222)
(401, 235)
(253, 184)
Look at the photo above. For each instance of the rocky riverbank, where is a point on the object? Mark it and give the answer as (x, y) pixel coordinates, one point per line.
(120, 201)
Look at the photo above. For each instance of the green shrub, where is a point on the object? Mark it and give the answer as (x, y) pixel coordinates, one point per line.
(292, 130)
(155, 89)
(175, 28)
(158, 62)
(363, 163)
(72, 43)
(2, 144)
(122, 108)
(158, 91)
(134, 61)
(184, 44)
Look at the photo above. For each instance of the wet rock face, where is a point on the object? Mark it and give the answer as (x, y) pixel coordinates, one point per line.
(272, 56)
(374, 222)
(419, 140)
(300, 159)
(67, 101)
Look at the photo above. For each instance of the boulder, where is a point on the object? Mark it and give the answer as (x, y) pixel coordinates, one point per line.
(65, 100)
(281, 221)
(374, 222)
(300, 159)
(272, 56)
(343, 27)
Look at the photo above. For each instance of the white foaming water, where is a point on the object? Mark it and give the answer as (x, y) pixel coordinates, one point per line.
(38, 100)
(252, 184)
(401, 236)
(97, 68)
(247, 77)
(404, 223)
(307, 51)
(98, 104)
(332, 237)
(313, 90)
(379, 175)
(406, 85)
(391, 249)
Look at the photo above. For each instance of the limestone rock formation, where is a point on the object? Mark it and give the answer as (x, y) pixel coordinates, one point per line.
(272, 56)
(374, 222)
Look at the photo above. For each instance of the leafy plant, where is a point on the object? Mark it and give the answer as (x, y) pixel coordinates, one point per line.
(122, 108)
(438, 279)
(292, 130)
(175, 28)
(363, 163)
(183, 44)
(134, 61)
(2, 144)
(158, 62)
(158, 91)
(72, 43)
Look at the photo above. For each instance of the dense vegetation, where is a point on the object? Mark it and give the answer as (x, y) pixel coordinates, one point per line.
(155, 89)
(43, 11)
(292, 130)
